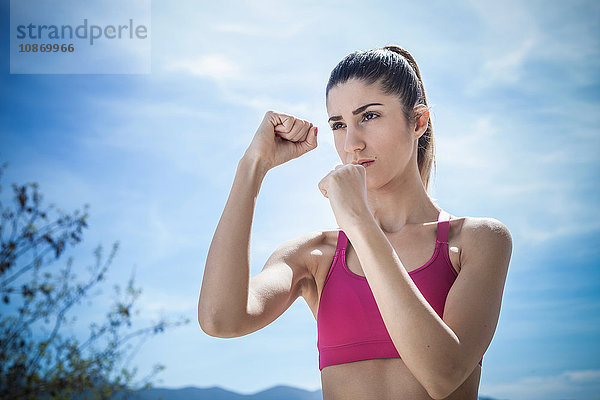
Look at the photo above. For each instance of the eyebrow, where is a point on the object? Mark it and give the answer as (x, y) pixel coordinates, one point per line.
(358, 110)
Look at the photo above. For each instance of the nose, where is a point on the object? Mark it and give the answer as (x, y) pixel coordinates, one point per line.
(354, 140)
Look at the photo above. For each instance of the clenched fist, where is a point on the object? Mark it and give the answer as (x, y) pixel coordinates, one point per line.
(346, 189)
(280, 138)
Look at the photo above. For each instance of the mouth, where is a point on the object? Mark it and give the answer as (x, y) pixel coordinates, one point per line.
(363, 162)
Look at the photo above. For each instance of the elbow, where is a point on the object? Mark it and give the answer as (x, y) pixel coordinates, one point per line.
(212, 329)
(437, 394)
(442, 386)
(218, 320)
(207, 321)
(204, 319)
(207, 327)
(207, 318)
(216, 328)
(439, 390)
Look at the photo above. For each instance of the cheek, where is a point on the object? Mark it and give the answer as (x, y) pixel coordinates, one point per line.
(403, 143)
(397, 151)
(338, 142)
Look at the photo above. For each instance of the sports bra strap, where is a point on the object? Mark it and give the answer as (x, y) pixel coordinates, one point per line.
(342, 241)
(340, 250)
(443, 227)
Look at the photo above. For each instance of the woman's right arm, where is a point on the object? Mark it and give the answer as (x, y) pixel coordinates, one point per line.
(230, 304)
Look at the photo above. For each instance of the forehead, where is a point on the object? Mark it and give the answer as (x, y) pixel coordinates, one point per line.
(348, 96)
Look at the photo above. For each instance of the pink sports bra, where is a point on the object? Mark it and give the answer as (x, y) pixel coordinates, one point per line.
(349, 324)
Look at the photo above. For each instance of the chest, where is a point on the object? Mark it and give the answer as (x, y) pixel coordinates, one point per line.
(414, 247)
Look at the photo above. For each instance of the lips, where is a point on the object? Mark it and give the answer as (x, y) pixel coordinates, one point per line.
(363, 161)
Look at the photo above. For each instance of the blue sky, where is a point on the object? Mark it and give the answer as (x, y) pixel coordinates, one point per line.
(514, 89)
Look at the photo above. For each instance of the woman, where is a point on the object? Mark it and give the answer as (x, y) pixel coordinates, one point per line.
(394, 321)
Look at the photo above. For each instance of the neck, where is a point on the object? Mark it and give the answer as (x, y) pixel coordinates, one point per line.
(402, 201)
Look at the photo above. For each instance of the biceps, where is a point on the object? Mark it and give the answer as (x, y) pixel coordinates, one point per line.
(472, 310)
(272, 292)
(473, 307)
(272, 288)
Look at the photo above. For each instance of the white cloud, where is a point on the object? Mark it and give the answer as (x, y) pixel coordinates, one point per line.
(241, 29)
(503, 16)
(592, 375)
(533, 235)
(477, 148)
(503, 69)
(578, 384)
(154, 303)
(213, 66)
(287, 29)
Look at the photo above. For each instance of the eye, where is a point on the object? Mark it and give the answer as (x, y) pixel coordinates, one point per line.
(335, 126)
(370, 114)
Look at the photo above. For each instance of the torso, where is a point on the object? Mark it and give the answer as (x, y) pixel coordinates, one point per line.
(386, 378)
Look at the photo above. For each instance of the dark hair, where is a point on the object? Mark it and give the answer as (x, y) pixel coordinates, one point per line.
(397, 73)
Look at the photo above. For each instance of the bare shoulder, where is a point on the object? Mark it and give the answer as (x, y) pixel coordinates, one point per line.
(313, 255)
(307, 251)
(484, 235)
(320, 250)
(486, 227)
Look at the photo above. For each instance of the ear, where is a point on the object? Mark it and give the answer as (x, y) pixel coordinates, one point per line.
(421, 113)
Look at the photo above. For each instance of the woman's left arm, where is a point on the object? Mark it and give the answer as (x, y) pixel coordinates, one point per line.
(441, 353)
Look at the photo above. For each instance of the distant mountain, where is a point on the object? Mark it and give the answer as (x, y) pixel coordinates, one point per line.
(280, 392)
(216, 393)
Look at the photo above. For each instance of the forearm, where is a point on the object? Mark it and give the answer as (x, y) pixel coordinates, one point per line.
(426, 344)
(225, 285)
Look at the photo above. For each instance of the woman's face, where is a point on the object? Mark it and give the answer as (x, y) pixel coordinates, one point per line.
(368, 124)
